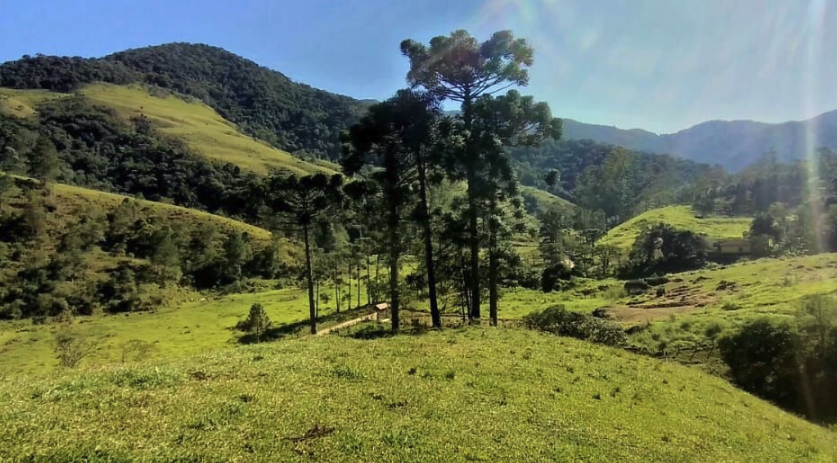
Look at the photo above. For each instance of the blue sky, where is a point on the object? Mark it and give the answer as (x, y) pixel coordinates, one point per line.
(659, 65)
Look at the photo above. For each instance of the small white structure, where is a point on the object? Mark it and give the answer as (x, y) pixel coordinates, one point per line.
(382, 310)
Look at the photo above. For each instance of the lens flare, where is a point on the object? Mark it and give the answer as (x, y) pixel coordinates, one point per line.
(814, 48)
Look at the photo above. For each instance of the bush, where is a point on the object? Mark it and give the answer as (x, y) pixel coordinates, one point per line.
(664, 249)
(70, 349)
(256, 323)
(551, 276)
(558, 320)
(762, 358)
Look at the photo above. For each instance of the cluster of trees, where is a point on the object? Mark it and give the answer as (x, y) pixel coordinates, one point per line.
(51, 265)
(262, 102)
(767, 182)
(613, 181)
(404, 150)
(794, 205)
(662, 249)
(791, 363)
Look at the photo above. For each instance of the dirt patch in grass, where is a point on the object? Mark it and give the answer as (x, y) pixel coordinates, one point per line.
(642, 315)
(678, 299)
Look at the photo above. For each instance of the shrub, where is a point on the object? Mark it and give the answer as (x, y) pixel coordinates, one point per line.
(552, 275)
(257, 322)
(70, 349)
(136, 349)
(558, 320)
(729, 305)
(762, 358)
(663, 249)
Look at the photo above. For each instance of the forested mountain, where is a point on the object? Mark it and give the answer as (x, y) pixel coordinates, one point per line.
(605, 177)
(262, 102)
(731, 144)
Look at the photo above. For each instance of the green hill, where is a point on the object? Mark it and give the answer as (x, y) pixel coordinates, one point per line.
(73, 200)
(681, 217)
(545, 198)
(465, 395)
(199, 126)
(203, 130)
(262, 102)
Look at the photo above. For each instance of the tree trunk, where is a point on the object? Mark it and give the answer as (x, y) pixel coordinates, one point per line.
(394, 255)
(349, 274)
(309, 275)
(473, 231)
(464, 290)
(474, 245)
(368, 282)
(337, 295)
(357, 268)
(493, 266)
(424, 216)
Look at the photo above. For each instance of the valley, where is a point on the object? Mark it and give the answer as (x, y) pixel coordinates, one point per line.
(187, 239)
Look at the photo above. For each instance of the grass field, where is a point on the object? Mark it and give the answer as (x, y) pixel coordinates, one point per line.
(22, 103)
(475, 394)
(681, 217)
(200, 127)
(202, 324)
(692, 303)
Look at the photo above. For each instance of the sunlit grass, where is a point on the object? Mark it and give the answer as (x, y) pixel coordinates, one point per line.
(22, 103)
(680, 217)
(200, 127)
(477, 394)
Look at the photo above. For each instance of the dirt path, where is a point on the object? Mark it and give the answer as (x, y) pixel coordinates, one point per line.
(346, 324)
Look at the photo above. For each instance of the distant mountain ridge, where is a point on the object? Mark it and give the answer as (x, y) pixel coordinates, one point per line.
(304, 120)
(731, 144)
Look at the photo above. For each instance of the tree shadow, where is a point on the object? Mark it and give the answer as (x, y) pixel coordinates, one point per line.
(274, 333)
(369, 331)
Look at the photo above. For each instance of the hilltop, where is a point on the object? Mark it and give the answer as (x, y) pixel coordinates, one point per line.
(681, 217)
(460, 395)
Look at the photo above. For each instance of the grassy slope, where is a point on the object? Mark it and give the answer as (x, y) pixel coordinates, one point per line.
(204, 130)
(545, 197)
(200, 126)
(198, 326)
(680, 217)
(761, 288)
(21, 103)
(475, 394)
(73, 200)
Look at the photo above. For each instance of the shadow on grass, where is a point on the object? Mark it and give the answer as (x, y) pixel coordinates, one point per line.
(275, 333)
(302, 327)
(375, 330)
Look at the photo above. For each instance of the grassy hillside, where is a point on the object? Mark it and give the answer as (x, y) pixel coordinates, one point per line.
(544, 198)
(464, 395)
(71, 200)
(262, 102)
(23, 103)
(200, 325)
(681, 217)
(199, 126)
